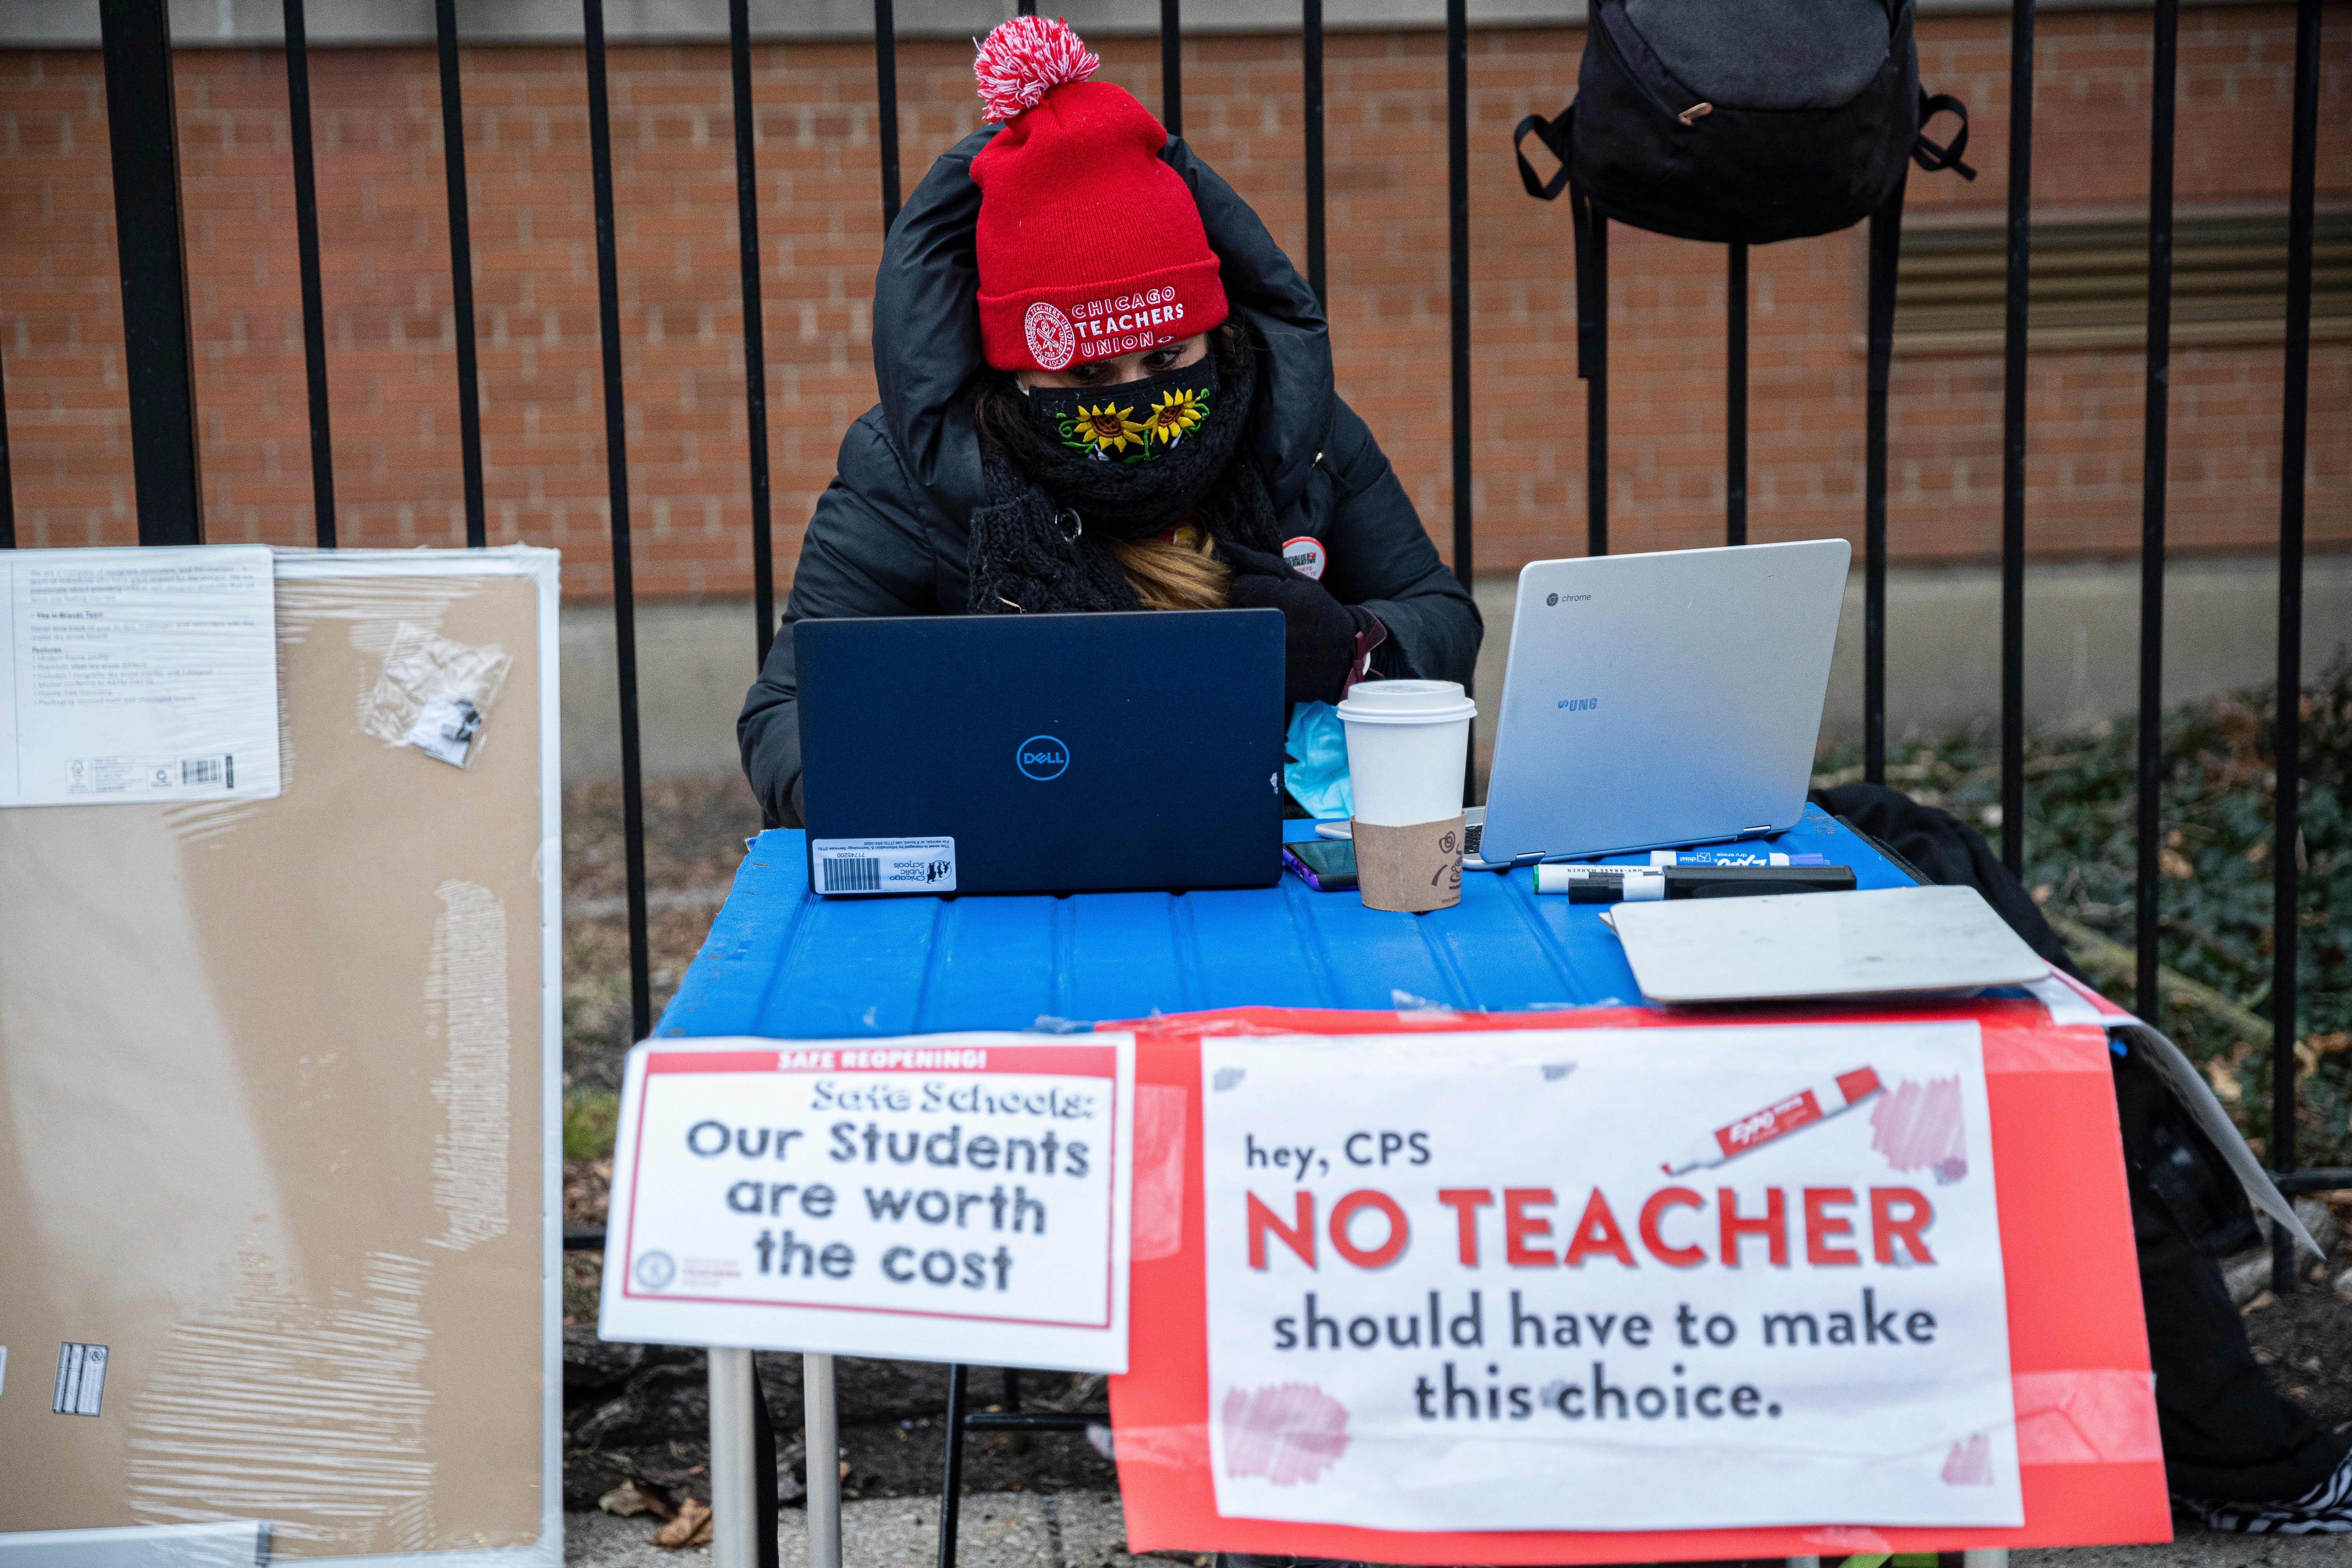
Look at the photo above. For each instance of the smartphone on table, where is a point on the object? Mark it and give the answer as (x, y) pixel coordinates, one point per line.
(1326, 865)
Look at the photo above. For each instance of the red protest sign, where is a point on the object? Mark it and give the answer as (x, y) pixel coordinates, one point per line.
(2081, 1448)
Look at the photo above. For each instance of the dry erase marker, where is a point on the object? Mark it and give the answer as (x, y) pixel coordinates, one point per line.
(1814, 1102)
(1640, 884)
(1733, 857)
(1603, 884)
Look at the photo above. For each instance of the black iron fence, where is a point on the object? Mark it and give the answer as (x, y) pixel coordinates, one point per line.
(158, 369)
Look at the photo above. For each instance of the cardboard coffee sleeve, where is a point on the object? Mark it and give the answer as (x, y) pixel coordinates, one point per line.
(1410, 869)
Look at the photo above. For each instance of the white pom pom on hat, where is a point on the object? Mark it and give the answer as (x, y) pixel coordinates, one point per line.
(1023, 59)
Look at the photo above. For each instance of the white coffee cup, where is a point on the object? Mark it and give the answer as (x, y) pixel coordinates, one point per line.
(1408, 747)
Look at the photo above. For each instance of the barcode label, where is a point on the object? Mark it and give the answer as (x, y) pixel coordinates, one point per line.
(131, 776)
(81, 1379)
(843, 874)
(882, 864)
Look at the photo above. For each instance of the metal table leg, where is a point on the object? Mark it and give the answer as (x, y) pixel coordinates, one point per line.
(823, 1446)
(734, 1528)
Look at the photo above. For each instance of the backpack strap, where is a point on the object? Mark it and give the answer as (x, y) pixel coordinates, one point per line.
(1555, 134)
(1933, 156)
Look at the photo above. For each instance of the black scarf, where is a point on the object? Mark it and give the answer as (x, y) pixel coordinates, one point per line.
(1038, 544)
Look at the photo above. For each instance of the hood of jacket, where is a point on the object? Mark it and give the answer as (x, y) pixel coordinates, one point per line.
(927, 347)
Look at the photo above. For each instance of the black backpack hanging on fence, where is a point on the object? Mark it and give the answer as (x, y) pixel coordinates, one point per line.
(1742, 120)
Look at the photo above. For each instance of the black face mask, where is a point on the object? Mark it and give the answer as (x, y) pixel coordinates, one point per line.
(1139, 424)
(1132, 460)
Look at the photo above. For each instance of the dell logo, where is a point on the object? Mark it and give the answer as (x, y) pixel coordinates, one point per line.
(1580, 704)
(1042, 757)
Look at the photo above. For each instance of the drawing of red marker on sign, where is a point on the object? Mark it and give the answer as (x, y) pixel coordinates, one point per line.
(1814, 1102)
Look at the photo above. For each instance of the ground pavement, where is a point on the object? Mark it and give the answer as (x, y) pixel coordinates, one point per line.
(1079, 1529)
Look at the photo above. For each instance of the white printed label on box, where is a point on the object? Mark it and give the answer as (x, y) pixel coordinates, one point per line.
(138, 675)
(81, 1379)
(940, 1197)
(882, 864)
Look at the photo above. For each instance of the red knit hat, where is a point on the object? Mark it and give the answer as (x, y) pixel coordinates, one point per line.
(1089, 246)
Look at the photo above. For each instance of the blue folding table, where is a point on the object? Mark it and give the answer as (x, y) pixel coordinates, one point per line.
(782, 962)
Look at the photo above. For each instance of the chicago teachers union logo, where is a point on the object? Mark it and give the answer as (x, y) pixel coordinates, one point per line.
(1052, 342)
(1042, 757)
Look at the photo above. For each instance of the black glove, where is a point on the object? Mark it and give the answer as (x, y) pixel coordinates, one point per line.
(1319, 632)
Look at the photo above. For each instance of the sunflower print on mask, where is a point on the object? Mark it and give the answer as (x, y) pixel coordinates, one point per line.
(1103, 431)
(1099, 431)
(1175, 414)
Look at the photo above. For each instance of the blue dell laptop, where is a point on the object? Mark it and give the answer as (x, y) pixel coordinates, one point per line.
(1042, 753)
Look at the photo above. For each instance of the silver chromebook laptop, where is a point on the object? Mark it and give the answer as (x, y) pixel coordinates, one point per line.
(1662, 700)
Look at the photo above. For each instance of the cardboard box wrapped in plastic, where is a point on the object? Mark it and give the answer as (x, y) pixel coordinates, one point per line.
(279, 1109)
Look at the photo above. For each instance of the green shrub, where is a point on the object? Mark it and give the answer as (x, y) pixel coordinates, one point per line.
(589, 1115)
(2217, 789)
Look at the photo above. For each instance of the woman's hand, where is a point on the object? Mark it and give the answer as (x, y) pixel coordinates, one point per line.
(1321, 637)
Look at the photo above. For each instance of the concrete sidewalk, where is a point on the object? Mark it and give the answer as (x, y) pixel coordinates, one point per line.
(1076, 1530)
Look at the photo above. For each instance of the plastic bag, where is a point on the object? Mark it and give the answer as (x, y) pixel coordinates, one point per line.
(434, 694)
(1316, 773)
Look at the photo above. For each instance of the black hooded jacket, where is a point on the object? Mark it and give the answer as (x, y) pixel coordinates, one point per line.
(890, 534)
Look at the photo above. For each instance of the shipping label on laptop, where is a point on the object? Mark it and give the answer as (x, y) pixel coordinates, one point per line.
(882, 864)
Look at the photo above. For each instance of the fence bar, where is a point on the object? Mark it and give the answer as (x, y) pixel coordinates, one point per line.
(616, 468)
(461, 271)
(2154, 464)
(306, 236)
(142, 134)
(1311, 85)
(755, 327)
(1592, 359)
(7, 486)
(886, 92)
(1886, 250)
(2286, 940)
(1735, 396)
(1457, 192)
(2012, 439)
(951, 1487)
(766, 1548)
(1171, 66)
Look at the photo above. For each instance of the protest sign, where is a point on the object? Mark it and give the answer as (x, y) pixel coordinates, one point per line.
(1607, 1279)
(944, 1197)
(2037, 1336)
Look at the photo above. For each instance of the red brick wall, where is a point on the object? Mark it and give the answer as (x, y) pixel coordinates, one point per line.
(392, 363)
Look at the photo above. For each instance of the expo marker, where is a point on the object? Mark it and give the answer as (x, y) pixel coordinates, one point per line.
(1814, 1102)
(1733, 857)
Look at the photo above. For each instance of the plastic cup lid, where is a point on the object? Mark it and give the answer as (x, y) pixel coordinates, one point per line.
(1406, 702)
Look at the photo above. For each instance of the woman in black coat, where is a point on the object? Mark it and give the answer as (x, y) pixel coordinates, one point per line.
(1024, 456)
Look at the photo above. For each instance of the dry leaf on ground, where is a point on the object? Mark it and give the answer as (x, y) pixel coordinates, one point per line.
(628, 1499)
(690, 1528)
